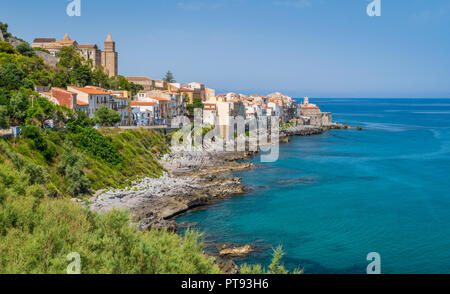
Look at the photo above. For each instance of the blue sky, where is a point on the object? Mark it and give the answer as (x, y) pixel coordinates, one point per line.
(317, 48)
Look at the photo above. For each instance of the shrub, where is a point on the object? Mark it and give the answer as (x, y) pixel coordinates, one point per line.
(71, 166)
(276, 267)
(98, 146)
(37, 236)
(34, 133)
(107, 117)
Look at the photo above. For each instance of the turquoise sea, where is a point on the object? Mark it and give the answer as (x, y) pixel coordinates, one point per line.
(333, 198)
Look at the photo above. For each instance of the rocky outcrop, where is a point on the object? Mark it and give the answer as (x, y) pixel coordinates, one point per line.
(1, 36)
(237, 251)
(49, 59)
(191, 181)
(227, 265)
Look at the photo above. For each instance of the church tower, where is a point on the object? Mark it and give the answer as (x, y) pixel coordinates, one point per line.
(110, 57)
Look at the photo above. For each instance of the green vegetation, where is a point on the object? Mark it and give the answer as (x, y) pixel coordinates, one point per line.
(285, 126)
(276, 267)
(107, 117)
(197, 103)
(37, 233)
(169, 78)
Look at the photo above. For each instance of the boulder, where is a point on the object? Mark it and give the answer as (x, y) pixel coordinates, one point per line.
(237, 251)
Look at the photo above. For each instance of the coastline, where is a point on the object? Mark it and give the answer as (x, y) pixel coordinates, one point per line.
(192, 180)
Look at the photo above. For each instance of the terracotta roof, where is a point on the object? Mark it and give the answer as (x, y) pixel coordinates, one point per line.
(81, 103)
(139, 103)
(159, 99)
(186, 90)
(64, 90)
(91, 91)
(209, 108)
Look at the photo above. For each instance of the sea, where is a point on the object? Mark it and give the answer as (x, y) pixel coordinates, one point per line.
(332, 199)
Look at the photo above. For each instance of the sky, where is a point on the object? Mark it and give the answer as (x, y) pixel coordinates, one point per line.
(316, 48)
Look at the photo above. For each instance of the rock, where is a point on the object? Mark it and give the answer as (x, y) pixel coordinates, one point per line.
(227, 266)
(237, 251)
(49, 59)
(1, 36)
(187, 225)
(157, 223)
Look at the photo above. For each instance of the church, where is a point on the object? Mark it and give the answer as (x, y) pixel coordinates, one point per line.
(108, 59)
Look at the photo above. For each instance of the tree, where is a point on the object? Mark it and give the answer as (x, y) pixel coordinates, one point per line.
(107, 117)
(71, 166)
(11, 77)
(81, 75)
(4, 117)
(25, 49)
(169, 78)
(18, 106)
(4, 29)
(6, 47)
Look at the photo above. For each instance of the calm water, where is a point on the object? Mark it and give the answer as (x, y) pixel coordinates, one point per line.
(333, 198)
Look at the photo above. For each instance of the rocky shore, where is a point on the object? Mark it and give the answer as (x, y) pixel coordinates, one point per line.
(191, 180)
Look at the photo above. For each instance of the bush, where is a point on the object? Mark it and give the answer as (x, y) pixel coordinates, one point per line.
(46, 147)
(6, 47)
(276, 267)
(37, 235)
(25, 49)
(98, 146)
(71, 166)
(107, 117)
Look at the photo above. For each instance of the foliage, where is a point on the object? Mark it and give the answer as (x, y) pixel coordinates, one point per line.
(18, 106)
(71, 166)
(25, 49)
(169, 78)
(98, 145)
(6, 47)
(4, 29)
(11, 76)
(197, 103)
(40, 142)
(4, 117)
(107, 117)
(276, 267)
(37, 234)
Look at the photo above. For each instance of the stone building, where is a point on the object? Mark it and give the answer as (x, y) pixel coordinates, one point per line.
(108, 59)
(313, 112)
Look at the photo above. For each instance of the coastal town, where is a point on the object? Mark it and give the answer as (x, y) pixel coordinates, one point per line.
(160, 101)
(81, 131)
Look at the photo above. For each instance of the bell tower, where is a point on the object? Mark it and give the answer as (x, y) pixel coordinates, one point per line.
(110, 57)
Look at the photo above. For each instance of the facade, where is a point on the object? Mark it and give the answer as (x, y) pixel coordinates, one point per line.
(108, 59)
(94, 98)
(145, 82)
(316, 117)
(144, 113)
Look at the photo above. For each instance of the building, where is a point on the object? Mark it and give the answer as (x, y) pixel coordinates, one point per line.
(108, 59)
(146, 83)
(93, 98)
(313, 112)
(144, 113)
